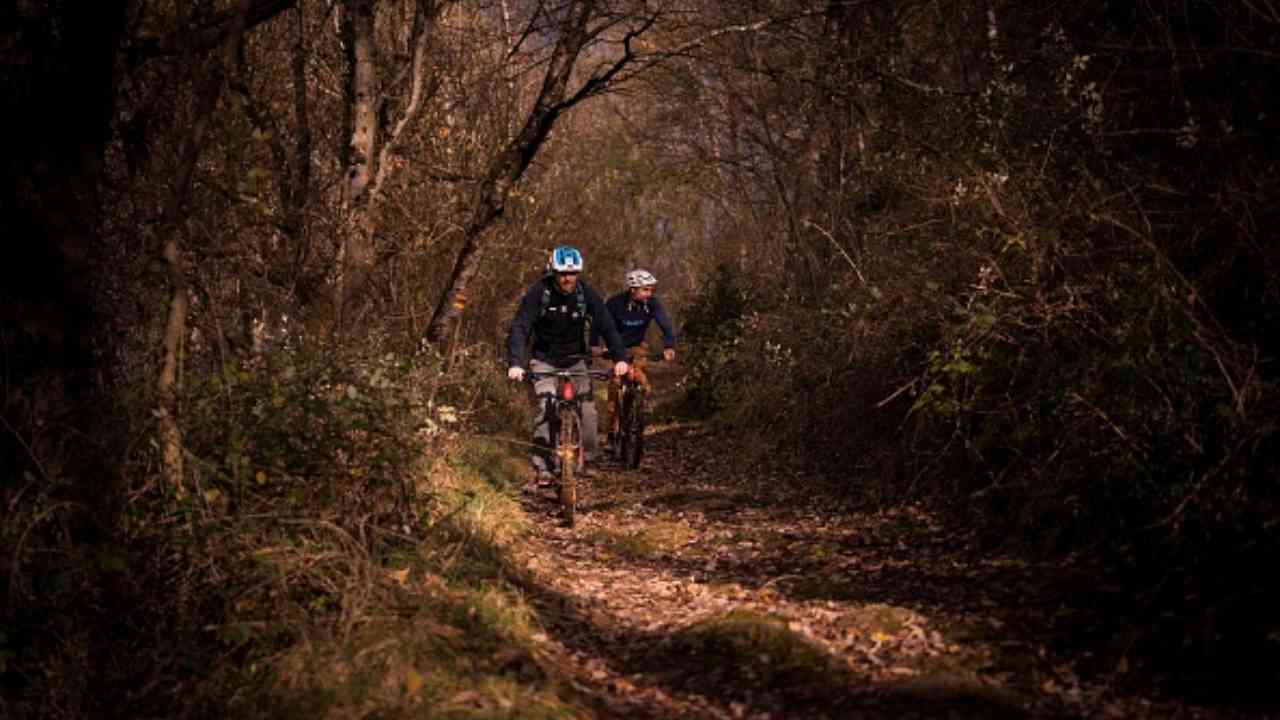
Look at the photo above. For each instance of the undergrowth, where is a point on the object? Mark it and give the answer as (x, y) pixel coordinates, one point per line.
(341, 548)
(1052, 329)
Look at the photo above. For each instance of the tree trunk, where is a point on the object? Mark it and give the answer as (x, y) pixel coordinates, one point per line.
(367, 155)
(355, 251)
(176, 324)
(60, 71)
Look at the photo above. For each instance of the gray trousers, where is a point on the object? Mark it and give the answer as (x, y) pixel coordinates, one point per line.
(544, 391)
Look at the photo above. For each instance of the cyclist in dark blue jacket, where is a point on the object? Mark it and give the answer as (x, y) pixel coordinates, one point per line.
(632, 310)
(552, 317)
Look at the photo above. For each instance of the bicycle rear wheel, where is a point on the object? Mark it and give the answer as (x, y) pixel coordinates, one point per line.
(569, 449)
(633, 421)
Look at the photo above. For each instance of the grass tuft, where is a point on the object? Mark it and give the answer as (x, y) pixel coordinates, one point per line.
(654, 540)
(442, 630)
(746, 649)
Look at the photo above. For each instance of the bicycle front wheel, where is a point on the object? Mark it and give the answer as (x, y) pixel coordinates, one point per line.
(569, 448)
(633, 420)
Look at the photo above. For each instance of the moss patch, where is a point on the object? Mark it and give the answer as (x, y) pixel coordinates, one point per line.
(653, 540)
(491, 461)
(470, 489)
(745, 650)
(876, 619)
(420, 668)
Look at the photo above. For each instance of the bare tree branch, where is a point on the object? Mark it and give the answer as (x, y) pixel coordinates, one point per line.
(210, 32)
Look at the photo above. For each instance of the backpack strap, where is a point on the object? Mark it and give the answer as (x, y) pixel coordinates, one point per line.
(546, 299)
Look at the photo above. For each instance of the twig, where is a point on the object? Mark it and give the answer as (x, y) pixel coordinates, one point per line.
(895, 394)
(1182, 506)
(22, 540)
(777, 579)
(908, 228)
(30, 453)
(1193, 297)
(1107, 419)
(839, 247)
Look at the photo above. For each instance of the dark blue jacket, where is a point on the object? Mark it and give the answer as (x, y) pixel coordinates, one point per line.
(558, 333)
(632, 318)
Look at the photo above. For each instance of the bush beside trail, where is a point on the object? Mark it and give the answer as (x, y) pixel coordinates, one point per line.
(1034, 307)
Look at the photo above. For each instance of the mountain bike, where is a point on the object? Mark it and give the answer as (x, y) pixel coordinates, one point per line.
(566, 433)
(632, 416)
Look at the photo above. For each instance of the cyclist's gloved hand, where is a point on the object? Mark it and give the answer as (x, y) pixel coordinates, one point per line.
(620, 368)
(669, 354)
(515, 373)
(596, 351)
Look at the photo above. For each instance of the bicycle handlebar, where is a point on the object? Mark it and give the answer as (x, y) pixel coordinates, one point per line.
(655, 356)
(533, 376)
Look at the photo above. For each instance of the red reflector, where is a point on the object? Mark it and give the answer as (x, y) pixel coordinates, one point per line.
(566, 391)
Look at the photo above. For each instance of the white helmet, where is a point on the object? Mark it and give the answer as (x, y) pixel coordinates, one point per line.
(640, 278)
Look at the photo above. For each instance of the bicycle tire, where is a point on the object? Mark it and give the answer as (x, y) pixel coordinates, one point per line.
(569, 449)
(633, 421)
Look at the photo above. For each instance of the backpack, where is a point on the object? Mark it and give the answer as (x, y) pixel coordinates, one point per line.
(546, 300)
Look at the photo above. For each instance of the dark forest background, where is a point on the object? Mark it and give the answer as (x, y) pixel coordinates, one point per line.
(1016, 260)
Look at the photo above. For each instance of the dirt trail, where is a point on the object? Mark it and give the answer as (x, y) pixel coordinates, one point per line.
(686, 591)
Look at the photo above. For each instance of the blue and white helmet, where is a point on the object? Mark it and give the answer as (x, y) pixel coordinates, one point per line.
(639, 278)
(565, 259)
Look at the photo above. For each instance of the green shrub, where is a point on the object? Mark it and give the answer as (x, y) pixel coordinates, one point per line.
(713, 333)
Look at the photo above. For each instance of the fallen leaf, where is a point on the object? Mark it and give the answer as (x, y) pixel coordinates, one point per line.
(413, 682)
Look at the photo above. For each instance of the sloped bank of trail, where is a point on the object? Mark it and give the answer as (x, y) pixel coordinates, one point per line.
(687, 590)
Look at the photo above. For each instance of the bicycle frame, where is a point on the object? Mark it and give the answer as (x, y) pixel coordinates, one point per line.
(566, 432)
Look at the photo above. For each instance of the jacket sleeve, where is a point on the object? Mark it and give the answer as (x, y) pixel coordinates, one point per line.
(661, 317)
(602, 323)
(521, 327)
(594, 341)
(611, 306)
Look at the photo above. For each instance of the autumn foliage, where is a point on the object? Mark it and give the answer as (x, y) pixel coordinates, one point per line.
(1008, 262)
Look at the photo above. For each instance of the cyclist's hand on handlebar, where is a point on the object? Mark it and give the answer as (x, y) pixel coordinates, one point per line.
(669, 354)
(596, 351)
(620, 368)
(515, 373)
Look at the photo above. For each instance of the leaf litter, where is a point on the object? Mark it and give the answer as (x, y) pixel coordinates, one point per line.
(690, 589)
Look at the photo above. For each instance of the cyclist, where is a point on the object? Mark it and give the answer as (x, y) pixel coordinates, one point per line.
(552, 316)
(632, 310)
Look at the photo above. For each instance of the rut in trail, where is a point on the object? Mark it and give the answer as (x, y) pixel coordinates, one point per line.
(686, 590)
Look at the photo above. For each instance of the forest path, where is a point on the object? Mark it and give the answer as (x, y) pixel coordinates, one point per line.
(688, 591)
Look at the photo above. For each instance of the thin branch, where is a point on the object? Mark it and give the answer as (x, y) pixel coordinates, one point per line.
(30, 453)
(1162, 49)
(1195, 492)
(596, 83)
(852, 264)
(420, 38)
(14, 578)
(1133, 445)
(895, 394)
